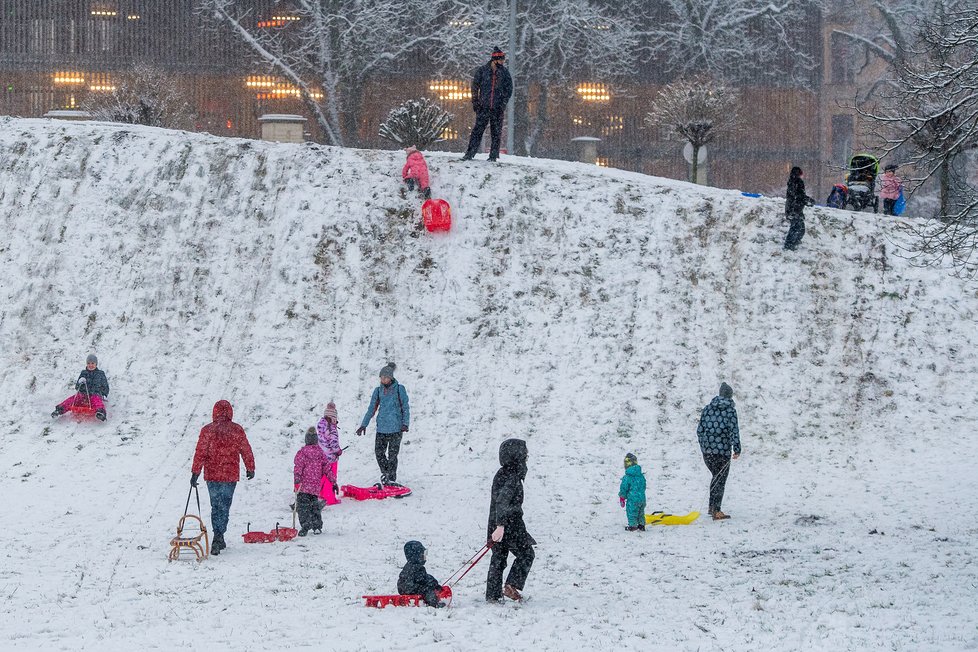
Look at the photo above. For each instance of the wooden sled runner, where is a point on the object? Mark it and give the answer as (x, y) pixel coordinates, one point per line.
(188, 541)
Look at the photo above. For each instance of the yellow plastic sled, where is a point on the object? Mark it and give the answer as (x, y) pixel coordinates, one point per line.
(661, 518)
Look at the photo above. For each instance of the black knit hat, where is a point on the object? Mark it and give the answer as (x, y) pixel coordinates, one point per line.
(630, 460)
(497, 54)
(311, 437)
(726, 391)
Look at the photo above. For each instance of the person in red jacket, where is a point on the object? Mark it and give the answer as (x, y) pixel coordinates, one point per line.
(219, 446)
(415, 172)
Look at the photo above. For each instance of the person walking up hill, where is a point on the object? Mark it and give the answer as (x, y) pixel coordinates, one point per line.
(219, 447)
(718, 434)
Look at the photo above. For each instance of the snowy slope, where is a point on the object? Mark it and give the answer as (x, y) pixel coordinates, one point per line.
(592, 312)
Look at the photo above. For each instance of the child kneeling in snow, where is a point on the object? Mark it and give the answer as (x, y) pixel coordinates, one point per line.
(414, 578)
(329, 440)
(631, 494)
(415, 172)
(310, 467)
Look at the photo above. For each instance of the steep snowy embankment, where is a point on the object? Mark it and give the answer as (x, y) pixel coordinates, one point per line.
(592, 312)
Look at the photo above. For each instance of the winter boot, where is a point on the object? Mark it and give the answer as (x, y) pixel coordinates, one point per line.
(303, 532)
(58, 411)
(631, 528)
(510, 592)
(217, 545)
(100, 415)
(640, 528)
(317, 531)
(720, 516)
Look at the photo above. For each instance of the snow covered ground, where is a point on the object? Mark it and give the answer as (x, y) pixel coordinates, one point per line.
(592, 312)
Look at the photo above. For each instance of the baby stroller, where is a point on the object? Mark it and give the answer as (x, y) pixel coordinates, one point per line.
(861, 182)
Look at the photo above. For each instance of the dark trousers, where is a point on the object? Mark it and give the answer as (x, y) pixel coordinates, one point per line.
(795, 232)
(221, 495)
(386, 447)
(719, 466)
(524, 554)
(888, 206)
(310, 513)
(494, 119)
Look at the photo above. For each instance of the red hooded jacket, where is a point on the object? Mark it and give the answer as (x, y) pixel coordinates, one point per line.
(220, 444)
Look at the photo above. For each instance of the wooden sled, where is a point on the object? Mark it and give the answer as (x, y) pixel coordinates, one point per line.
(181, 543)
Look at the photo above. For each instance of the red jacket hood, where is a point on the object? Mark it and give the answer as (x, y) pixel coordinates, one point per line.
(223, 411)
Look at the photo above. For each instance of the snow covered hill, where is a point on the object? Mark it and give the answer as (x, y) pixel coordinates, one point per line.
(592, 312)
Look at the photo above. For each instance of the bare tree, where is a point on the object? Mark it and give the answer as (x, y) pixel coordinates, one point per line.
(328, 50)
(736, 40)
(929, 111)
(697, 111)
(416, 122)
(557, 42)
(144, 96)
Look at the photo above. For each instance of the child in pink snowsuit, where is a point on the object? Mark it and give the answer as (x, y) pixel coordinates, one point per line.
(415, 171)
(329, 440)
(890, 190)
(310, 468)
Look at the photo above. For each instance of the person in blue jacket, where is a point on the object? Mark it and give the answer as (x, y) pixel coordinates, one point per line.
(718, 434)
(631, 493)
(492, 86)
(390, 403)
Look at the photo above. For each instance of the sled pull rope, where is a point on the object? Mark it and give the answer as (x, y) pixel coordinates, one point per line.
(467, 566)
(187, 506)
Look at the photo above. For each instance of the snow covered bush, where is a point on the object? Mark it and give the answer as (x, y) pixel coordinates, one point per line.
(697, 111)
(143, 96)
(416, 122)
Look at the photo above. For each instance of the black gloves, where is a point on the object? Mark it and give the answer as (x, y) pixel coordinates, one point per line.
(249, 474)
(404, 428)
(426, 193)
(361, 430)
(193, 479)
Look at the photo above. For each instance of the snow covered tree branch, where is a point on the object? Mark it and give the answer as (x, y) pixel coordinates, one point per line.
(328, 50)
(557, 42)
(416, 122)
(736, 40)
(142, 96)
(929, 114)
(697, 111)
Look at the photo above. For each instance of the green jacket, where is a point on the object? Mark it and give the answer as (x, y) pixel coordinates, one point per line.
(632, 487)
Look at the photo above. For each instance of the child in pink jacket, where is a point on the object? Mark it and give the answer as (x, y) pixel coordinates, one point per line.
(329, 440)
(310, 467)
(415, 171)
(890, 190)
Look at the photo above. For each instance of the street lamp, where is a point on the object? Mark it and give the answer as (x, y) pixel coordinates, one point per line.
(511, 109)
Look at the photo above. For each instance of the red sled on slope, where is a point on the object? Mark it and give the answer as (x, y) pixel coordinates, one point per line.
(437, 215)
(374, 493)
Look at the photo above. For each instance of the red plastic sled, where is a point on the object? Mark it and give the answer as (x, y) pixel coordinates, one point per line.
(381, 601)
(368, 493)
(82, 412)
(278, 534)
(437, 215)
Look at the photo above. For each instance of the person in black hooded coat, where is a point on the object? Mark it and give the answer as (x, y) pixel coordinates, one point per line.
(795, 201)
(506, 530)
(415, 579)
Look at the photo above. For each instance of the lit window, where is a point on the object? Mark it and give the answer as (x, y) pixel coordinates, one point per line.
(275, 88)
(104, 12)
(448, 133)
(133, 17)
(65, 78)
(100, 83)
(602, 162)
(277, 21)
(590, 92)
(451, 91)
(616, 124)
(460, 23)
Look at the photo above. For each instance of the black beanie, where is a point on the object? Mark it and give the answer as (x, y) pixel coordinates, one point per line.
(726, 391)
(311, 437)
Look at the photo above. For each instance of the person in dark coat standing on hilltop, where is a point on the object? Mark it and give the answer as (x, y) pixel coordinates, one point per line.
(390, 403)
(492, 86)
(220, 445)
(506, 530)
(718, 434)
(794, 208)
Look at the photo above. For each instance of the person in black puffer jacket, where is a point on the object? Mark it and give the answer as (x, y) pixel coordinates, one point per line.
(506, 530)
(795, 202)
(414, 578)
(91, 388)
(492, 86)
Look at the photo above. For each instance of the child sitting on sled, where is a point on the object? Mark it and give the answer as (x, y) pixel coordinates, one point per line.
(414, 578)
(415, 172)
(329, 440)
(631, 494)
(310, 467)
(91, 388)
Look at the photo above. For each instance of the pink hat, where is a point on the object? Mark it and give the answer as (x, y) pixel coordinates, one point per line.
(331, 411)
